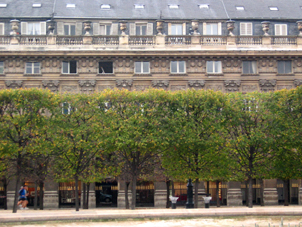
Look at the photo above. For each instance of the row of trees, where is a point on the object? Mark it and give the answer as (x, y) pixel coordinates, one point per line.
(154, 135)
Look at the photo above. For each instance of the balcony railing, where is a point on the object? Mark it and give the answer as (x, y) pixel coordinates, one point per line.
(178, 40)
(105, 40)
(69, 40)
(141, 40)
(5, 39)
(157, 41)
(213, 40)
(284, 40)
(249, 40)
(33, 40)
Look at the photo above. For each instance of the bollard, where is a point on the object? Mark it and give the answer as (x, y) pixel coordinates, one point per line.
(173, 200)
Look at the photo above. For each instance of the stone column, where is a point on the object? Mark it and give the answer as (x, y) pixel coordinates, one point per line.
(265, 27)
(300, 192)
(121, 195)
(234, 194)
(270, 193)
(15, 26)
(160, 194)
(201, 190)
(299, 25)
(11, 194)
(91, 198)
(230, 27)
(51, 194)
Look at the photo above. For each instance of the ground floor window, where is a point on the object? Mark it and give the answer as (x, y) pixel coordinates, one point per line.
(67, 194)
(106, 193)
(144, 194)
(31, 193)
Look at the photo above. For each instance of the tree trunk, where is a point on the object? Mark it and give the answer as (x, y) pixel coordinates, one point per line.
(173, 189)
(36, 196)
(87, 201)
(208, 188)
(126, 195)
(246, 194)
(196, 193)
(286, 192)
(76, 193)
(261, 192)
(17, 187)
(84, 196)
(250, 192)
(41, 200)
(5, 183)
(168, 194)
(133, 193)
(217, 193)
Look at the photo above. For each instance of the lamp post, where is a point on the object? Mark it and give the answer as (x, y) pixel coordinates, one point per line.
(189, 204)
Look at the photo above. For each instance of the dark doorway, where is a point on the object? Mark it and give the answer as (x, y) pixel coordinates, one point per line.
(106, 193)
(144, 194)
(67, 194)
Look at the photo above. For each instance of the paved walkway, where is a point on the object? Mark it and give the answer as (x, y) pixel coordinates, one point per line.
(70, 214)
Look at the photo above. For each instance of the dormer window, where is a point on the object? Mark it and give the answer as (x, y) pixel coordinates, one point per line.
(240, 8)
(203, 6)
(69, 5)
(273, 8)
(105, 6)
(139, 6)
(173, 6)
(37, 5)
(3, 5)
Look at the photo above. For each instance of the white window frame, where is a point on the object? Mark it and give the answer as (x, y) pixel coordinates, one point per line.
(38, 28)
(283, 62)
(141, 25)
(253, 65)
(104, 28)
(103, 72)
(178, 29)
(211, 30)
(214, 67)
(244, 28)
(207, 31)
(68, 108)
(68, 65)
(139, 67)
(282, 29)
(1, 67)
(32, 66)
(69, 29)
(177, 67)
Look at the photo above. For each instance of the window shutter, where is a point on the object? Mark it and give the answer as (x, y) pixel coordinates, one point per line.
(114, 29)
(150, 29)
(43, 28)
(277, 29)
(60, 28)
(219, 28)
(184, 27)
(79, 30)
(23, 28)
(1, 28)
(169, 28)
(204, 28)
(132, 29)
(249, 29)
(283, 29)
(96, 28)
(242, 29)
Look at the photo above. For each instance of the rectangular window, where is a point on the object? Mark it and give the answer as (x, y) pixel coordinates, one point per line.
(178, 67)
(69, 29)
(213, 66)
(34, 28)
(249, 67)
(280, 29)
(141, 29)
(246, 29)
(69, 67)
(1, 67)
(212, 29)
(1, 28)
(142, 67)
(66, 108)
(284, 67)
(176, 29)
(32, 68)
(105, 67)
(105, 29)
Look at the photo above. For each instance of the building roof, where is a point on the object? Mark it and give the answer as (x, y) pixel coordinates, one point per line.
(154, 9)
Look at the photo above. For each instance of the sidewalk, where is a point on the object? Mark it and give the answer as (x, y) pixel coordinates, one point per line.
(71, 214)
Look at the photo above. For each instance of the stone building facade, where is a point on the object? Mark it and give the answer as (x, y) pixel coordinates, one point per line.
(89, 46)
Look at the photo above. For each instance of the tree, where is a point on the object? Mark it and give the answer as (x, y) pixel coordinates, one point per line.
(78, 140)
(22, 115)
(193, 135)
(133, 125)
(252, 134)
